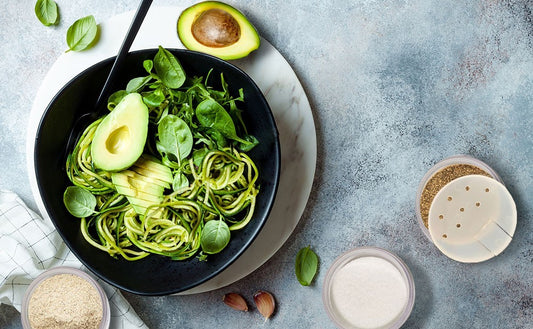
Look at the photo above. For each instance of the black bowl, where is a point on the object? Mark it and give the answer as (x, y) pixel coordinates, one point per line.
(153, 275)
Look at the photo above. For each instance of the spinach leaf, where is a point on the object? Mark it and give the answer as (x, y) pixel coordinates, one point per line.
(215, 236)
(247, 147)
(168, 69)
(46, 11)
(199, 155)
(115, 98)
(154, 98)
(82, 33)
(212, 115)
(217, 137)
(148, 65)
(175, 137)
(179, 181)
(306, 266)
(79, 202)
(136, 84)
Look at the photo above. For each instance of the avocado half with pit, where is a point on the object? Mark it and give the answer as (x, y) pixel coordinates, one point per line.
(119, 139)
(217, 29)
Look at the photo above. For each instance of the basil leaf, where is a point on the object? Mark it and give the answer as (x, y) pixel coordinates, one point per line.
(136, 84)
(79, 202)
(306, 266)
(215, 236)
(175, 137)
(168, 69)
(46, 11)
(82, 33)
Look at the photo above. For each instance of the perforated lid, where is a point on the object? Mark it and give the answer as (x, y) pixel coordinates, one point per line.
(472, 218)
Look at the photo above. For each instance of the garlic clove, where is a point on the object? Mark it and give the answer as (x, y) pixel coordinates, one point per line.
(265, 303)
(235, 301)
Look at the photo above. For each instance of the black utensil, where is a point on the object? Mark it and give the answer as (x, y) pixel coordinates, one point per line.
(99, 107)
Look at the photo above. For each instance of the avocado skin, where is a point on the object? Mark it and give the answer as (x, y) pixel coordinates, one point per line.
(249, 38)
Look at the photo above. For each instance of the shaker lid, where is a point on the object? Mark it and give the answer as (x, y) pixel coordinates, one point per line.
(472, 218)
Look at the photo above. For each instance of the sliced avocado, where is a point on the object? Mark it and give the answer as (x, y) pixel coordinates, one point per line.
(130, 192)
(119, 139)
(147, 179)
(152, 164)
(139, 184)
(139, 210)
(143, 171)
(217, 29)
(139, 193)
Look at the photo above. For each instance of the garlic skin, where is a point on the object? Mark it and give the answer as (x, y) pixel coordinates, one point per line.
(235, 301)
(265, 303)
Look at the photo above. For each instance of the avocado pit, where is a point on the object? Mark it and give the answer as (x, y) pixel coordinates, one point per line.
(216, 28)
(118, 140)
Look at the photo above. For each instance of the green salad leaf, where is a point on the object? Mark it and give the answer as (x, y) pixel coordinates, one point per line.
(168, 69)
(136, 84)
(79, 202)
(306, 266)
(82, 33)
(47, 12)
(175, 137)
(215, 236)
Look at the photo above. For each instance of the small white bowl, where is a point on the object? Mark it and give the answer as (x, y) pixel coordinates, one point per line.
(106, 313)
(453, 160)
(361, 252)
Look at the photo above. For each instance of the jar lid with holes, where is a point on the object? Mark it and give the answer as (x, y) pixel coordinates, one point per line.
(463, 207)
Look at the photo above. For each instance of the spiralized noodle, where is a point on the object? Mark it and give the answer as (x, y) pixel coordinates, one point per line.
(223, 187)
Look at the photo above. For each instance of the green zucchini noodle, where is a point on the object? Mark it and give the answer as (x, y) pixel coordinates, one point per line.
(222, 187)
(193, 169)
(80, 169)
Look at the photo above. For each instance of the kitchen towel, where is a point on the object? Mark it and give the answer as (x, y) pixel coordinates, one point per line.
(29, 245)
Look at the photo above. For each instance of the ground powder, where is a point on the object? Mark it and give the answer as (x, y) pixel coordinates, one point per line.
(369, 292)
(439, 180)
(65, 301)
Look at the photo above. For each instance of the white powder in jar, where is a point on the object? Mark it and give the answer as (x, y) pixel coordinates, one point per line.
(369, 292)
(65, 301)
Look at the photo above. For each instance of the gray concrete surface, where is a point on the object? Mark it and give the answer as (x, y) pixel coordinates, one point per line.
(395, 86)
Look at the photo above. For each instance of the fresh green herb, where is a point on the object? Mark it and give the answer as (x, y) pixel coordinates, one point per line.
(115, 98)
(168, 69)
(79, 202)
(82, 33)
(180, 181)
(148, 65)
(215, 236)
(306, 266)
(212, 115)
(175, 137)
(46, 11)
(154, 98)
(137, 83)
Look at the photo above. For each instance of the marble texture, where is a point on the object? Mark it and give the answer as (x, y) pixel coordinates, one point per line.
(394, 86)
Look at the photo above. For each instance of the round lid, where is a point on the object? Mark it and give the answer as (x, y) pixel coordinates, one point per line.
(472, 218)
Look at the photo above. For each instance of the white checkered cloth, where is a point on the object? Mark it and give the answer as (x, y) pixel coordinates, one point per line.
(29, 245)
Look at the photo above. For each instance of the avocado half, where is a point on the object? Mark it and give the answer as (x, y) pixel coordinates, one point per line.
(119, 139)
(217, 29)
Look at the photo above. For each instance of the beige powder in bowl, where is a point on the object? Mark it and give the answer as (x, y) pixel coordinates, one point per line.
(65, 301)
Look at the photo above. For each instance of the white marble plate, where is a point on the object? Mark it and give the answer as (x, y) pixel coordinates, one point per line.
(279, 84)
